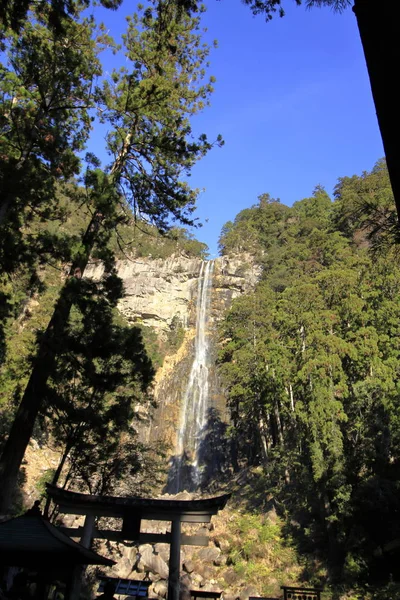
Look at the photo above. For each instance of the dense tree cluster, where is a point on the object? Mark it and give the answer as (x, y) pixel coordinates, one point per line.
(53, 91)
(310, 361)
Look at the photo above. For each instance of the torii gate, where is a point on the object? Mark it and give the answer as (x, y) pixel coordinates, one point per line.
(132, 510)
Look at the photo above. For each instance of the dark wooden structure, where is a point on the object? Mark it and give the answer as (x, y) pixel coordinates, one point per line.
(195, 594)
(300, 593)
(133, 510)
(31, 541)
(45, 552)
(127, 587)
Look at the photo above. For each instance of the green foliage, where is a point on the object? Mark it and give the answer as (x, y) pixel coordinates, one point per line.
(46, 477)
(310, 362)
(51, 86)
(176, 334)
(244, 234)
(139, 239)
(259, 553)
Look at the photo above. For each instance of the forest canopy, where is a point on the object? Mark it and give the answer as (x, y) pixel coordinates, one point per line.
(310, 362)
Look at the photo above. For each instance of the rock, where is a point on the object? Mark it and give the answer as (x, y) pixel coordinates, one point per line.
(160, 588)
(204, 571)
(188, 566)
(230, 577)
(186, 581)
(162, 550)
(157, 290)
(196, 579)
(133, 554)
(273, 517)
(184, 593)
(153, 562)
(124, 568)
(220, 561)
(34, 444)
(247, 592)
(140, 567)
(209, 554)
(221, 543)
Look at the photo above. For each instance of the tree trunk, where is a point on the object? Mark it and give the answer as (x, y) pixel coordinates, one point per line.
(378, 24)
(262, 428)
(31, 403)
(56, 476)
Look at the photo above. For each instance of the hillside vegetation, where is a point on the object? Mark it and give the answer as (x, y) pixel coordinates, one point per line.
(310, 362)
(310, 366)
(105, 367)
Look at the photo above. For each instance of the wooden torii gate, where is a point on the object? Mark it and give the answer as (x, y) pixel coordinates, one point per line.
(133, 510)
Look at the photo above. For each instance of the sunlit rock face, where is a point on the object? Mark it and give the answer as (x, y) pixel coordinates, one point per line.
(191, 418)
(157, 290)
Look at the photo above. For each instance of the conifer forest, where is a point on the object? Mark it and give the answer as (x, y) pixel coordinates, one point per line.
(307, 359)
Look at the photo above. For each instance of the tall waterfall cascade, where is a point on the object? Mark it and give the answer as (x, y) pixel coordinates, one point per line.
(190, 420)
(186, 471)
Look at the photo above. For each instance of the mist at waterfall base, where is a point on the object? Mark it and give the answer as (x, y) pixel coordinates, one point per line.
(200, 449)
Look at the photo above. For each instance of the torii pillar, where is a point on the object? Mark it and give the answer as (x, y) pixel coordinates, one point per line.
(133, 510)
(174, 560)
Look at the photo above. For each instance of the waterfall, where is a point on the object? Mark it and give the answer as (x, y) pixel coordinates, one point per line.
(186, 472)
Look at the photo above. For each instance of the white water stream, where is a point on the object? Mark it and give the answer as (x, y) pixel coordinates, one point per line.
(195, 403)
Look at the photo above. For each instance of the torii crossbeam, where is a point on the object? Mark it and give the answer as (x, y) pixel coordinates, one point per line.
(133, 510)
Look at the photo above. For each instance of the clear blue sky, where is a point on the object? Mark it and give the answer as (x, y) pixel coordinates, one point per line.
(292, 102)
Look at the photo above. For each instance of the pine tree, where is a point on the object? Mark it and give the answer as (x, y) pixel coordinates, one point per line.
(148, 111)
(310, 363)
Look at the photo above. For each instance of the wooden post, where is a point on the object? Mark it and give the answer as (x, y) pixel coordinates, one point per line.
(174, 560)
(74, 586)
(87, 533)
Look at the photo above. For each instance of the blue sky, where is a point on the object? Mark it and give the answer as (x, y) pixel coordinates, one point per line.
(292, 102)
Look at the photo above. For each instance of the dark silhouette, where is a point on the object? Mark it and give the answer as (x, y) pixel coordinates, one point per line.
(109, 591)
(34, 511)
(214, 462)
(20, 589)
(214, 453)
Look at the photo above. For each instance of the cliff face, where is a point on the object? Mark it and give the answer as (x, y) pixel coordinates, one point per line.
(157, 290)
(159, 293)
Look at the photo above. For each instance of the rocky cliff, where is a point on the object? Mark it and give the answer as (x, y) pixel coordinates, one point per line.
(159, 293)
(157, 290)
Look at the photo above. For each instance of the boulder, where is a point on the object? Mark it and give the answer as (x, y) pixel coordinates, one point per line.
(220, 561)
(162, 550)
(133, 554)
(124, 568)
(209, 554)
(188, 566)
(221, 543)
(160, 588)
(204, 571)
(153, 563)
(248, 591)
(230, 577)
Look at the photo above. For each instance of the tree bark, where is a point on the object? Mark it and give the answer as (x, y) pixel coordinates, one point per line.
(30, 405)
(57, 476)
(378, 24)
